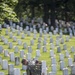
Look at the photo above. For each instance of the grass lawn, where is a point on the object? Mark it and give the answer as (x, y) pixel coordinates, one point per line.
(44, 55)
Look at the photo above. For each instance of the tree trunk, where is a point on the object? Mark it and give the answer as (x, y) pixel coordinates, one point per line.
(53, 13)
(66, 13)
(32, 11)
(46, 13)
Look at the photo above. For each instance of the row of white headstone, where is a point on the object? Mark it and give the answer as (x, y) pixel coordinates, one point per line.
(15, 71)
(12, 70)
(53, 60)
(42, 30)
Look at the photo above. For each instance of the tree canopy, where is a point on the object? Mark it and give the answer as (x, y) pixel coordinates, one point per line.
(54, 9)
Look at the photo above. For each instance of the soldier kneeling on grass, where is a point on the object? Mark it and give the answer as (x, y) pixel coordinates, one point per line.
(24, 62)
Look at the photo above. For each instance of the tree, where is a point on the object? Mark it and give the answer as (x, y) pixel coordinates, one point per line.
(7, 11)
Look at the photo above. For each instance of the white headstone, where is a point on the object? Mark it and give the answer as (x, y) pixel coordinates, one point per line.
(7, 26)
(51, 45)
(71, 35)
(10, 69)
(21, 29)
(14, 38)
(72, 49)
(30, 49)
(1, 73)
(61, 34)
(34, 36)
(28, 56)
(24, 45)
(61, 31)
(64, 47)
(37, 53)
(58, 49)
(38, 46)
(18, 27)
(6, 32)
(45, 32)
(13, 30)
(0, 60)
(67, 39)
(54, 32)
(39, 39)
(10, 35)
(12, 57)
(17, 71)
(51, 53)
(62, 65)
(24, 73)
(62, 41)
(17, 60)
(54, 68)
(19, 42)
(34, 26)
(73, 70)
(31, 29)
(23, 36)
(44, 42)
(6, 53)
(0, 27)
(5, 41)
(40, 30)
(35, 31)
(67, 54)
(44, 71)
(10, 45)
(41, 34)
(61, 57)
(74, 57)
(47, 29)
(45, 37)
(25, 31)
(65, 71)
(57, 38)
(44, 49)
(43, 64)
(74, 33)
(53, 60)
(22, 53)
(14, 25)
(65, 31)
(18, 32)
(52, 28)
(57, 29)
(16, 49)
(21, 24)
(4, 64)
(32, 42)
(1, 49)
(70, 61)
(52, 73)
(24, 67)
(28, 33)
(2, 38)
(57, 43)
(50, 34)
(51, 40)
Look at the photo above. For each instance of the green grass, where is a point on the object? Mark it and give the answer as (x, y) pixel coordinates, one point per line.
(44, 55)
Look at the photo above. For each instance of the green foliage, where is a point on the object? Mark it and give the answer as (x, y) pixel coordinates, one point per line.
(15, 9)
(7, 12)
